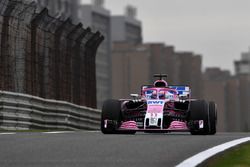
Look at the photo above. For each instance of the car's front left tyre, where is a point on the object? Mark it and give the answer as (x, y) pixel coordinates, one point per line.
(212, 117)
(199, 111)
(206, 112)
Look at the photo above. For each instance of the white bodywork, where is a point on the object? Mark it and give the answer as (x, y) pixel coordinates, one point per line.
(154, 113)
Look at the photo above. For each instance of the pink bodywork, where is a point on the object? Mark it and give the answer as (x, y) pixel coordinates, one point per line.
(129, 125)
(155, 106)
(178, 125)
(174, 126)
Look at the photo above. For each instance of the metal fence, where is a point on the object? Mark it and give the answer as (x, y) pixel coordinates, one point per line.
(45, 56)
(23, 112)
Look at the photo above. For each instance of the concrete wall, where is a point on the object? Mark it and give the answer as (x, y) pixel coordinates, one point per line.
(23, 112)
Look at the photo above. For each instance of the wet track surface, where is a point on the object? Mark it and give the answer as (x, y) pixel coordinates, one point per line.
(94, 149)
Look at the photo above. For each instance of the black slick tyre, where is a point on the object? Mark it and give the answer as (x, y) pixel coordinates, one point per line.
(199, 110)
(212, 117)
(111, 111)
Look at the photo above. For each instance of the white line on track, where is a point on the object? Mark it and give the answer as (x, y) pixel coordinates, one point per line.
(7, 133)
(58, 132)
(202, 156)
(92, 131)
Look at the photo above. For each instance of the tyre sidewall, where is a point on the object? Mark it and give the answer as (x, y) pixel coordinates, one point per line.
(199, 110)
(111, 111)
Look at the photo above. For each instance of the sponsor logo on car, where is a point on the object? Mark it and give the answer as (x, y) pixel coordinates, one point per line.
(155, 102)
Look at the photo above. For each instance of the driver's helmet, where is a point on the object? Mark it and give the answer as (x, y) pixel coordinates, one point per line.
(161, 95)
(154, 95)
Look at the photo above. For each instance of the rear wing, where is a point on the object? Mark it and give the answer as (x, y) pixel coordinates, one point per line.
(183, 91)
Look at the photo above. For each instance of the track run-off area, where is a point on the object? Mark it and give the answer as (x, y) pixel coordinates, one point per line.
(93, 149)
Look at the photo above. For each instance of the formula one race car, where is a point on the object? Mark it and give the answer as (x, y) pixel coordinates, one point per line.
(159, 108)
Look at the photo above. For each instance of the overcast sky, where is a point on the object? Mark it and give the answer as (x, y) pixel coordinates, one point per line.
(217, 29)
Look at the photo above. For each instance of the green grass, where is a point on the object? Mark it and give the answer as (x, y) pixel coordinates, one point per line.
(235, 157)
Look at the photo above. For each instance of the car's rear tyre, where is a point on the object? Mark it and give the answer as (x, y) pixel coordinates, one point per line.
(199, 110)
(111, 111)
(212, 117)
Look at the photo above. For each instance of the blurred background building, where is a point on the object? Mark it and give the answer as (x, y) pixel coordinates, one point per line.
(214, 89)
(61, 8)
(134, 65)
(242, 72)
(130, 68)
(243, 66)
(231, 93)
(126, 28)
(98, 18)
(189, 72)
(114, 28)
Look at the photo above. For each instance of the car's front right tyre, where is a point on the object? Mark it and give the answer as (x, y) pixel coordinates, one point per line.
(111, 112)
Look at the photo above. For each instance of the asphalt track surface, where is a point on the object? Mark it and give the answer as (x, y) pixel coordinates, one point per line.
(93, 149)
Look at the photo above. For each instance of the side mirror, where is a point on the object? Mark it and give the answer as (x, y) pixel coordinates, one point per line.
(134, 96)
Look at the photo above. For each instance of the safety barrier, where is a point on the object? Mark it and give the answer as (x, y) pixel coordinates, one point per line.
(23, 112)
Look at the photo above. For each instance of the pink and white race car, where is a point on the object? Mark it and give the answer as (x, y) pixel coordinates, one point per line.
(159, 108)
